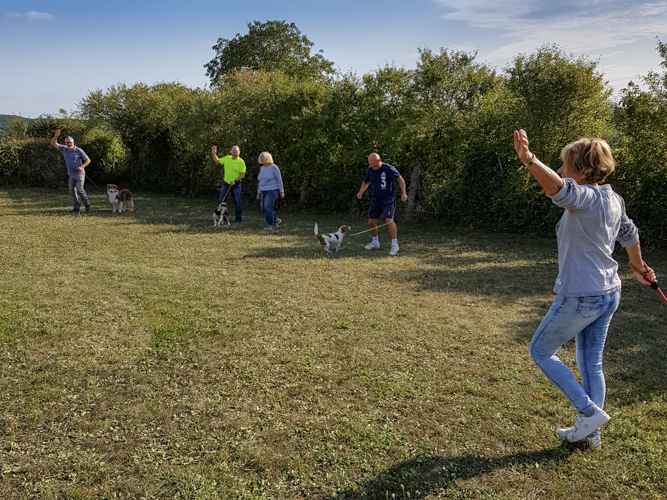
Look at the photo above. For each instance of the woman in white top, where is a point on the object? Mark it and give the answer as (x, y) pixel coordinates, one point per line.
(588, 287)
(269, 188)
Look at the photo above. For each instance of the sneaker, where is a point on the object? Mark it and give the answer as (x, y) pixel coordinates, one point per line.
(236, 222)
(393, 250)
(593, 439)
(74, 211)
(584, 426)
(278, 221)
(270, 227)
(372, 246)
(87, 209)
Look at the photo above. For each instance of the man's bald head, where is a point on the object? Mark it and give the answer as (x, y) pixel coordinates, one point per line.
(374, 161)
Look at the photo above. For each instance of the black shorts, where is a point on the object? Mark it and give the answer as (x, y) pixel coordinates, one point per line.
(381, 207)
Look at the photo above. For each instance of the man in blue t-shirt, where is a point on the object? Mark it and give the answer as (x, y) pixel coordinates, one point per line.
(76, 160)
(380, 177)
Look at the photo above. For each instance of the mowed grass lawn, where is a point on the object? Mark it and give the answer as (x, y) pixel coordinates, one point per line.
(149, 355)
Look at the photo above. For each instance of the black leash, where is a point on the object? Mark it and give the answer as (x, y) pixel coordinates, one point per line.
(88, 178)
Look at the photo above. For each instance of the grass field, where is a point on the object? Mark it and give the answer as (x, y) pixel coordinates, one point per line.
(148, 355)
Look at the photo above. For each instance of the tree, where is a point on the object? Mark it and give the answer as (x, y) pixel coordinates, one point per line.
(269, 46)
(641, 177)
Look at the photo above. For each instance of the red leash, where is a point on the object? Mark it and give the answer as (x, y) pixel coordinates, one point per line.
(654, 284)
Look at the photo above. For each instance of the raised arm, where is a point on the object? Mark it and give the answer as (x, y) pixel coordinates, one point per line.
(547, 178)
(214, 154)
(54, 139)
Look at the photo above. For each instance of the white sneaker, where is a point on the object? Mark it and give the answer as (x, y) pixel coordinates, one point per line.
(278, 221)
(594, 440)
(584, 426)
(372, 246)
(393, 250)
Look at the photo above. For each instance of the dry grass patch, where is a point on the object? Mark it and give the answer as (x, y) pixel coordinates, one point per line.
(148, 355)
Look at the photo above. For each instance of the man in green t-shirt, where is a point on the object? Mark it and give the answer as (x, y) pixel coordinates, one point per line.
(234, 172)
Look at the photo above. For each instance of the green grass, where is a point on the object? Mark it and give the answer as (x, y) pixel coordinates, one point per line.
(149, 355)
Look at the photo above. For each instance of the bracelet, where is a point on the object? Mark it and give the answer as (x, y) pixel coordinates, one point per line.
(531, 162)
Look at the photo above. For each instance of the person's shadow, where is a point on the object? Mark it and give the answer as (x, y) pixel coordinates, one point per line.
(423, 476)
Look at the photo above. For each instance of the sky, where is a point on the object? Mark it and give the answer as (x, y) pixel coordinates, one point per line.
(52, 55)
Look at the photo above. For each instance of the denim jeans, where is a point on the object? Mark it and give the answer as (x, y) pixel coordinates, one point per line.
(587, 319)
(76, 186)
(235, 191)
(267, 202)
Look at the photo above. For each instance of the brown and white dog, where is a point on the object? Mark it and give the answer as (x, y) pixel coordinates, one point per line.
(120, 199)
(332, 240)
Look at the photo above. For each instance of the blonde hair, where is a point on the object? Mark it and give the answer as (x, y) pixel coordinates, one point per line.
(590, 156)
(267, 157)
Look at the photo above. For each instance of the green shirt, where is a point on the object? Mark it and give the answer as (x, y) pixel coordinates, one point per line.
(232, 168)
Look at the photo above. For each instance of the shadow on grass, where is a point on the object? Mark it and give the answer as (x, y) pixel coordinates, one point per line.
(432, 475)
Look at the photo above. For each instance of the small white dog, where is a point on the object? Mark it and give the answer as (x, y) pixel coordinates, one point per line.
(332, 240)
(220, 215)
(120, 199)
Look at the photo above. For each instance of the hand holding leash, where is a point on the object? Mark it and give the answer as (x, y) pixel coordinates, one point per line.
(647, 278)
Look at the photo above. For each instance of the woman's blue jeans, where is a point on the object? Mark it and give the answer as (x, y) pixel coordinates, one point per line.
(587, 319)
(267, 202)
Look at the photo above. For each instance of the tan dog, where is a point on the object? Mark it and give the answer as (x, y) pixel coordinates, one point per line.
(332, 240)
(120, 199)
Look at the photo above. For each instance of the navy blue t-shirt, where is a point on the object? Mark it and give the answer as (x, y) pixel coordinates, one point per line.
(382, 181)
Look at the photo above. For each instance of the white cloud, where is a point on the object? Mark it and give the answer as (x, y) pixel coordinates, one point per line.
(620, 33)
(584, 26)
(29, 16)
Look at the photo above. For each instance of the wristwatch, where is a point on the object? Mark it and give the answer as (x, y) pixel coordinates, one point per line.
(531, 162)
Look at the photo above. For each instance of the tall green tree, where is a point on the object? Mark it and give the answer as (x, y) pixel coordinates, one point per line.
(641, 120)
(556, 98)
(269, 46)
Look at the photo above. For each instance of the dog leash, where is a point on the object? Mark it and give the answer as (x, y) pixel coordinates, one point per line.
(88, 178)
(367, 230)
(228, 189)
(654, 284)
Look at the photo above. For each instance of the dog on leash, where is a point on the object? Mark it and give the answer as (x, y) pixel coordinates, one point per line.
(334, 240)
(220, 215)
(120, 199)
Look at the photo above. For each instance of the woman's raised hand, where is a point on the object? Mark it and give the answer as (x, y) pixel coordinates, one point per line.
(521, 145)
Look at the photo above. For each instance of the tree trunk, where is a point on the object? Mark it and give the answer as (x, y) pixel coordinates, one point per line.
(415, 172)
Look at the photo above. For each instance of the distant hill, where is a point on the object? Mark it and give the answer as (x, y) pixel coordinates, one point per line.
(5, 120)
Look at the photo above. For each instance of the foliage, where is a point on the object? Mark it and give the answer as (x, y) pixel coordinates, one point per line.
(446, 125)
(9, 159)
(556, 98)
(641, 121)
(269, 46)
(153, 123)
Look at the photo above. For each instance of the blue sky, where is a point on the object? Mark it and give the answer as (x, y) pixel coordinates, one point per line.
(54, 54)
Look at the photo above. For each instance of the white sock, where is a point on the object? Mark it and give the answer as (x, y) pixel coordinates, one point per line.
(376, 239)
(394, 242)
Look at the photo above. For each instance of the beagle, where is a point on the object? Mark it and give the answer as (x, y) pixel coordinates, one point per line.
(332, 240)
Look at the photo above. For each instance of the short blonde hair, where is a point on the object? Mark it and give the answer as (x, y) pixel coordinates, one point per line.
(267, 157)
(590, 156)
